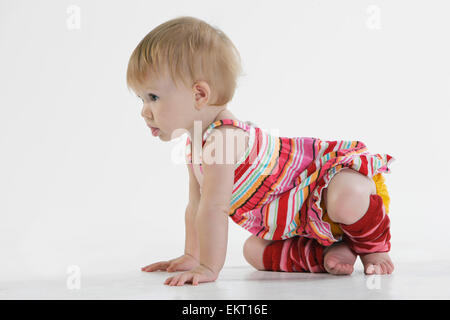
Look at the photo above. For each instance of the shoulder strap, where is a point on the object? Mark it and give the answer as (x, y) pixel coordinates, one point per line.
(221, 122)
(188, 151)
(243, 125)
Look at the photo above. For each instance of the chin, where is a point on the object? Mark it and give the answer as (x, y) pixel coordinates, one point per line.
(174, 135)
(164, 137)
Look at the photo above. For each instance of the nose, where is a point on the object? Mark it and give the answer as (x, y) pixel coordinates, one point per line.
(146, 113)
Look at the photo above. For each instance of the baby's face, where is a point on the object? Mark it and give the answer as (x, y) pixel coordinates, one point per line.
(167, 107)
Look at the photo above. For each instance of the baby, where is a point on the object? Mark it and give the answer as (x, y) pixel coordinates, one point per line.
(311, 205)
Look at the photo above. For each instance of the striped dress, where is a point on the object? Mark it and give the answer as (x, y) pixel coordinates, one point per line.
(278, 181)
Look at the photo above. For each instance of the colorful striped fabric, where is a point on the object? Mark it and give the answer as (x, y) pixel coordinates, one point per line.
(278, 181)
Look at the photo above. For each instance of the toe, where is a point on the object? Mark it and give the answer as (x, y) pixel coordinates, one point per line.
(390, 268)
(383, 267)
(330, 265)
(370, 269)
(338, 268)
(378, 269)
(347, 269)
(343, 269)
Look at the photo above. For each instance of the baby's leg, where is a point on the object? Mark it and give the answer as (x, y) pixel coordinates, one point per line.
(296, 254)
(353, 203)
(253, 251)
(370, 238)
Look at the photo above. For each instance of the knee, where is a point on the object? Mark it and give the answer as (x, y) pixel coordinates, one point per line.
(348, 205)
(253, 251)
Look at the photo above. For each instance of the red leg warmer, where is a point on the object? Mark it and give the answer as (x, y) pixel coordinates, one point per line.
(297, 254)
(370, 233)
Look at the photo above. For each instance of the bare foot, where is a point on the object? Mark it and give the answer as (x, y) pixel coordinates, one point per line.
(377, 263)
(339, 259)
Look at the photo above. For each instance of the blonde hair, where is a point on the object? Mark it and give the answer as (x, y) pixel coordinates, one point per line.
(191, 50)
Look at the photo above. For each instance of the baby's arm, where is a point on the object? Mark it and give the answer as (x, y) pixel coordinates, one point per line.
(212, 215)
(190, 258)
(191, 246)
(211, 219)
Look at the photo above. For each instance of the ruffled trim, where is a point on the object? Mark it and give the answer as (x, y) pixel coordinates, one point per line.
(318, 228)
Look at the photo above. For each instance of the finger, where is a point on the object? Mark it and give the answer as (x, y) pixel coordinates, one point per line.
(174, 281)
(156, 266)
(179, 280)
(146, 267)
(168, 280)
(184, 277)
(152, 265)
(195, 280)
(161, 266)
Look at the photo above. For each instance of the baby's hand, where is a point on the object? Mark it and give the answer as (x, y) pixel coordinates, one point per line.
(194, 276)
(182, 263)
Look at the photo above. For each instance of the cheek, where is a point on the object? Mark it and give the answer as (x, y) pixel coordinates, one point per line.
(170, 114)
(167, 116)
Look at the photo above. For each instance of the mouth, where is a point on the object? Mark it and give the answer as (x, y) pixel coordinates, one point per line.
(155, 131)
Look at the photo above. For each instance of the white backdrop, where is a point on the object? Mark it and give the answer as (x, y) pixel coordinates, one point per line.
(83, 182)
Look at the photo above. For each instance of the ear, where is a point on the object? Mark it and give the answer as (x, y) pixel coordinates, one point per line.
(202, 93)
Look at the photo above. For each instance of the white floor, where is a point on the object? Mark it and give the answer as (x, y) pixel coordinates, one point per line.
(410, 280)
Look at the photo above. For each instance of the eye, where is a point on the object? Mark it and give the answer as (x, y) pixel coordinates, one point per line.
(153, 97)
